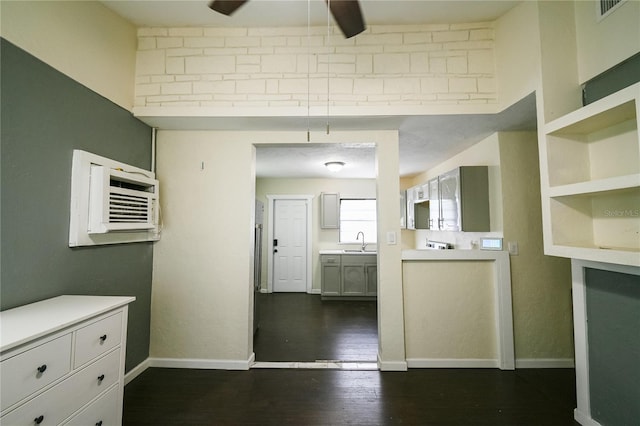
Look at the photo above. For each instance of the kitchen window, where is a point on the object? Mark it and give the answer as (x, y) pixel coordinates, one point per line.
(358, 215)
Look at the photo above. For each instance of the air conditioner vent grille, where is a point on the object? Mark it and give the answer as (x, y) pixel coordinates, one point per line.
(121, 201)
(124, 208)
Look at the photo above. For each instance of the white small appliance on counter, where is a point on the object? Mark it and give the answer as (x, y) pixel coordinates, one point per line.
(438, 245)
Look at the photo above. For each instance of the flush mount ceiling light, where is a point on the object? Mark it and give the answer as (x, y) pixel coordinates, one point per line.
(334, 166)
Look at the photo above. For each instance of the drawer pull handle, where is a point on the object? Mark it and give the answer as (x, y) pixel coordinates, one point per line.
(38, 420)
(42, 368)
(101, 377)
(99, 423)
(103, 338)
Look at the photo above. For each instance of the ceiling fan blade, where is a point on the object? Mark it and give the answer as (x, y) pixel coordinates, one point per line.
(226, 7)
(348, 16)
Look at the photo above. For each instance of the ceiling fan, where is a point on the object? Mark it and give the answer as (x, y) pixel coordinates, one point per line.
(347, 13)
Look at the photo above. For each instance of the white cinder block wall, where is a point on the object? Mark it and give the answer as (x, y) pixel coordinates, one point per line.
(408, 65)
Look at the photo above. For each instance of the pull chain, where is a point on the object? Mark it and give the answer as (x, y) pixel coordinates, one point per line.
(308, 70)
(328, 57)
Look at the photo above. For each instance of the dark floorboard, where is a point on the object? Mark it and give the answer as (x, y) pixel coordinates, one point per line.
(302, 327)
(338, 397)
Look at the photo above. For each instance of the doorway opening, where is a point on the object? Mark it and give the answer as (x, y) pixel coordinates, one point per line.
(296, 327)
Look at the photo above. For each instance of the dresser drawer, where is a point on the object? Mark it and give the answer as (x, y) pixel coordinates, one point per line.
(101, 412)
(97, 338)
(30, 371)
(59, 402)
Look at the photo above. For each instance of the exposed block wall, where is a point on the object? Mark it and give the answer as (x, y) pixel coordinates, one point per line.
(264, 67)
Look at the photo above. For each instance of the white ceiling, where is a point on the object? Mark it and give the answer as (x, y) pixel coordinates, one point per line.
(425, 141)
(288, 13)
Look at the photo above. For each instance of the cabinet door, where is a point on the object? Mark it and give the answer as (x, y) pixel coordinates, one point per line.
(449, 187)
(403, 209)
(411, 222)
(371, 272)
(353, 280)
(329, 210)
(474, 199)
(434, 204)
(330, 275)
(421, 214)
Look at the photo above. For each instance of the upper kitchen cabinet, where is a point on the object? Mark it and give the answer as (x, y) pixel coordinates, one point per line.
(403, 209)
(330, 210)
(459, 200)
(591, 197)
(434, 203)
(410, 212)
(418, 207)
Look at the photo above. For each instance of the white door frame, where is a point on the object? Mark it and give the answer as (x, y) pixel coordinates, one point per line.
(271, 200)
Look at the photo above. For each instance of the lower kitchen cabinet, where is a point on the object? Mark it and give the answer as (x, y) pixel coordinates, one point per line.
(371, 277)
(330, 273)
(349, 275)
(353, 279)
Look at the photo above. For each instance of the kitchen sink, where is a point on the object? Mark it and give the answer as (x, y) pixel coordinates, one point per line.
(352, 251)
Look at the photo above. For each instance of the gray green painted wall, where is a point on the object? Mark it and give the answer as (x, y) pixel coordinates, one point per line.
(616, 78)
(45, 116)
(613, 317)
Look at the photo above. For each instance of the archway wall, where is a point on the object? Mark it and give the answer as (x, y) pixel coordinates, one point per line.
(202, 293)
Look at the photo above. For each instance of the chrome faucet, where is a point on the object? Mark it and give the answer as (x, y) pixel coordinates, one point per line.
(358, 237)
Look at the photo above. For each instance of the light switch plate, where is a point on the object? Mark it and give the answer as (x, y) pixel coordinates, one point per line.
(391, 238)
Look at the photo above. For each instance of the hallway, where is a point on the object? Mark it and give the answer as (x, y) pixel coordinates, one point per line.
(302, 327)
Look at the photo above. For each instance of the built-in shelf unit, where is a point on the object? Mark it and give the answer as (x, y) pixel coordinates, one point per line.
(591, 197)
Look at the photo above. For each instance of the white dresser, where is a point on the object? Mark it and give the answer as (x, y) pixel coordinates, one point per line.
(62, 361)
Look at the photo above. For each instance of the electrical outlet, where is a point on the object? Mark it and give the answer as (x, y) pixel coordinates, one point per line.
(513, 248)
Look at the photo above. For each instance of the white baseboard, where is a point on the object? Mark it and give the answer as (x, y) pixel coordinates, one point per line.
(136, 371)
(391, 365)
(584, 419)
(315, 291)
(207, 364)
(545, 363)
(452, 363)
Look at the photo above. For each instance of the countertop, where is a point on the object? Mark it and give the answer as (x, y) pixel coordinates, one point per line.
(349, 252)
(455, 255)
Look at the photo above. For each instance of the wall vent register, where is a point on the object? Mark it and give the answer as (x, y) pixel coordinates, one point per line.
(112, 202)
(606, 7)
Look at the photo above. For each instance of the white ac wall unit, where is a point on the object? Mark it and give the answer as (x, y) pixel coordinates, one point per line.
(111, 202)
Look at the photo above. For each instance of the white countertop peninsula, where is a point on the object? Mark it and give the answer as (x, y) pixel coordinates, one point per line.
(497, 255)
(444, 302)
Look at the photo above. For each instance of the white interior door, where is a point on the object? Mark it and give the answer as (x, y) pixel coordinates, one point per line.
(290, 246)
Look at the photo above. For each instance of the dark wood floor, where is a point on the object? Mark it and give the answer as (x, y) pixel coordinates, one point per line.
(339, 397)
(302, 327)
